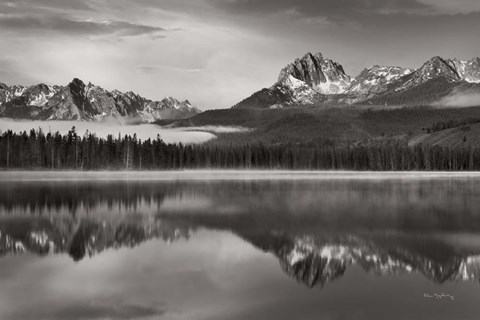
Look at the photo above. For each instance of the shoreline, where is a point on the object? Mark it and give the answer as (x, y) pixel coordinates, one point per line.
(230, 174)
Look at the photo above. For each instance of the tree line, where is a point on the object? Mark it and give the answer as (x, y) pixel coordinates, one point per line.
(444, 125)
(37, 150)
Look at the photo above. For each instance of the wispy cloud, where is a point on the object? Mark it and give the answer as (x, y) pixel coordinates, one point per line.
(180, 69)
(46, 4)
(68, 26)
(453, 7)
(99, 311)
(331, 9)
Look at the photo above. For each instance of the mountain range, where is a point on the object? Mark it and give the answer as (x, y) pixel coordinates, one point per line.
(310, 80)
(314, 79)
(80, 101)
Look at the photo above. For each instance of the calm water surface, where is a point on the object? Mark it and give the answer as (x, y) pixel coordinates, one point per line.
(238, 245)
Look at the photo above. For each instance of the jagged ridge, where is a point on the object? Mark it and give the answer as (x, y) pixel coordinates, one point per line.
(316, 80)
(80, 101)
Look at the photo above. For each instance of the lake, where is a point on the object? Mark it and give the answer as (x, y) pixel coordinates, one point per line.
(239, 245)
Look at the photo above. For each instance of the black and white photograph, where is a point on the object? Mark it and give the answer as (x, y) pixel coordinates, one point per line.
(239, 159)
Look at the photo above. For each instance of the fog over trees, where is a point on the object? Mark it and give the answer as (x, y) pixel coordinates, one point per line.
(37, 150)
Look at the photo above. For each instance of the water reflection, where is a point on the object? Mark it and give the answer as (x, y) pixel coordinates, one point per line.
(316, 229)
(239, 249)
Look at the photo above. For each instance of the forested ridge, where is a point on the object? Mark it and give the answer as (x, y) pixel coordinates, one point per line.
(37, 150)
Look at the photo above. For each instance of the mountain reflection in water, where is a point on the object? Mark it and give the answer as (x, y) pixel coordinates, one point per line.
(316, 229)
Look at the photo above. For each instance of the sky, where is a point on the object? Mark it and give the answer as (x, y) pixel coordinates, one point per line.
(217, 52)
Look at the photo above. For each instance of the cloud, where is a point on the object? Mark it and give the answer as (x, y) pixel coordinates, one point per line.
(454, 7)
(52, 4)
(67, 26)
(172, 68)
(97, 311)
(331, 9)
(218, 129)
(461, 99)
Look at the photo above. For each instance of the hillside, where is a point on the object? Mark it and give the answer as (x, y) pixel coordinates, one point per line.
(463, 136)
(345, 125)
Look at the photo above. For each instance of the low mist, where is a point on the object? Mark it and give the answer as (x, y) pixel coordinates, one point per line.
(460, 99)
(102, 129)
(219, 129)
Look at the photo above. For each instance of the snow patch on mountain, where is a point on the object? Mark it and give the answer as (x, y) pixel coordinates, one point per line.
(468, 71)
(321, 74)
(299, 91)
(376, 79)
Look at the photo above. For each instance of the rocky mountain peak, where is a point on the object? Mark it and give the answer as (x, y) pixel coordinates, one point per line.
(437, 67)
(77, 84)
(170, 102)
(434, 68)
(38, 95)
(323, 75)
(310, 56)
(132, 95)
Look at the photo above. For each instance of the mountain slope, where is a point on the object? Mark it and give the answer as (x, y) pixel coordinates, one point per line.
(78, 101)
(469, 71)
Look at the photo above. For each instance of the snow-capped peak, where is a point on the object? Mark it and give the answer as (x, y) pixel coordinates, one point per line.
(376, 79)
(323, 75)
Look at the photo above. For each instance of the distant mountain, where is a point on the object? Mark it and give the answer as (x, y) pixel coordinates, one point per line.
(80, 101)
(314, 79)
